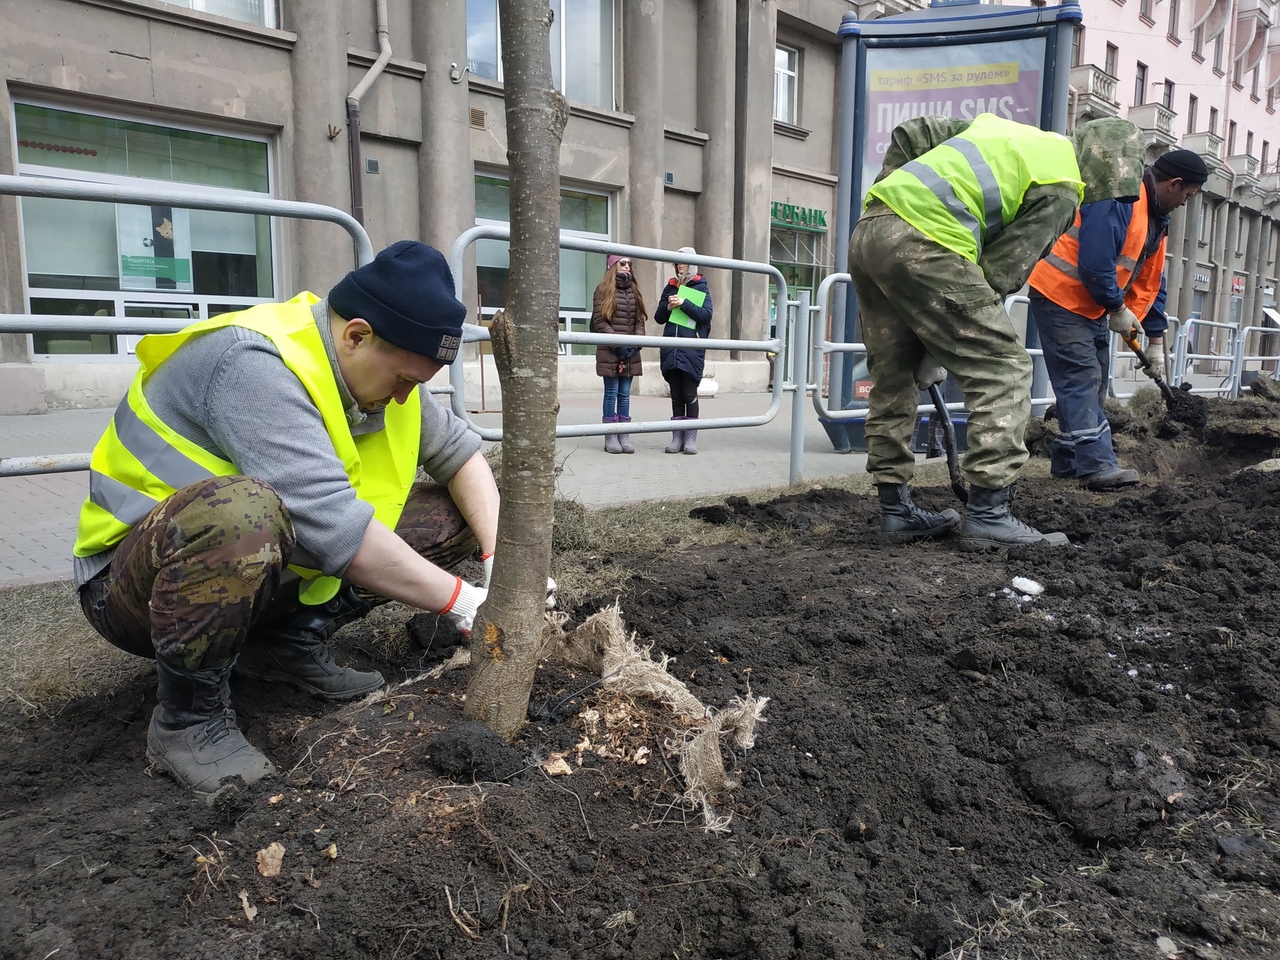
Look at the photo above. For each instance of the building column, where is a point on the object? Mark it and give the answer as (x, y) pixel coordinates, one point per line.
(446, 174)
(1175, 265)
(317, 139)
(1224, 252)
(13, 346)
(715, 93)
(643, 97)
(753, 186)
(1191, 252)
(1251, 315)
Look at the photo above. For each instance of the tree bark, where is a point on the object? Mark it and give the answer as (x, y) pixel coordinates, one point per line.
(504, 642)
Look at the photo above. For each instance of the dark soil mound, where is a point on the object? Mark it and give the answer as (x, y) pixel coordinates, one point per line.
(950, 756)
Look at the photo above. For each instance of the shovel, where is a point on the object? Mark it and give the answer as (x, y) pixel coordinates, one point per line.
(1143, 363)
(949, 441)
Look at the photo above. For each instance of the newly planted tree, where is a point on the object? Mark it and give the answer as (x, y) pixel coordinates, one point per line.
(504, 642)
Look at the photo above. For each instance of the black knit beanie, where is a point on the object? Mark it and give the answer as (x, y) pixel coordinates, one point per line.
(406, 296)
(1185, 165)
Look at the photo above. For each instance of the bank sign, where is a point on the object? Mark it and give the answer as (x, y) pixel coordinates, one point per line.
(798, 218)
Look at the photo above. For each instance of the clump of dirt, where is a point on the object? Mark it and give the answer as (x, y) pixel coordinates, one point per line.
(1037, 753)
(1186, 407)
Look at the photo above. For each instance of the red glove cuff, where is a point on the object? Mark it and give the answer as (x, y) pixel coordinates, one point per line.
(457, 589)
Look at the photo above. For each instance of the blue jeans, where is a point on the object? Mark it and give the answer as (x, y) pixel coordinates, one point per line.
(617, 397)
(1077, 353)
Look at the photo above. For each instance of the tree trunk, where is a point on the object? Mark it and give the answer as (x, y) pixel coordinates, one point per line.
(504, 642)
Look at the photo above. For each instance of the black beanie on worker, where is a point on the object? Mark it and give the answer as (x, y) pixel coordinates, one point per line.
(1185, 165)
(406, 295)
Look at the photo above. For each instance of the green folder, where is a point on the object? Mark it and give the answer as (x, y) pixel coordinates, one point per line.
(696, 297)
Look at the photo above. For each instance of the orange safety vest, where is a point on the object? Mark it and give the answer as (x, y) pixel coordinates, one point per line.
(1057, 276)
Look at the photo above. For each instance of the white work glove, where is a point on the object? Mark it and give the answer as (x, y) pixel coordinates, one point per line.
(1155, 354)
(461, 611)
(551, 584)
(1122, 321)
(928, 372)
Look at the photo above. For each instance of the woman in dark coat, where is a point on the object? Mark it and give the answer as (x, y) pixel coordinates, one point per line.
(682, 369)
(618, 307)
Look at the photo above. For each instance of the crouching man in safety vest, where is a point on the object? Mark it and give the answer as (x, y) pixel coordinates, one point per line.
(1109, 264)
(957, 218)
(261, 466)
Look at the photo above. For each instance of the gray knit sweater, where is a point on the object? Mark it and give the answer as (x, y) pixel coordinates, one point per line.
(230, 393)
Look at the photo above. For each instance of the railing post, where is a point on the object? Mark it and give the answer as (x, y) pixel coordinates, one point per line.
(800, 376)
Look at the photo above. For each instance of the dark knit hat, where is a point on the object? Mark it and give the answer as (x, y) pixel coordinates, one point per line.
(406, 296)
(1185, 165)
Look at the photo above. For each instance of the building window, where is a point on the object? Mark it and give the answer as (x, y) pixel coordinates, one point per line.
(1253, 85)
(1271, 101)
(1167, 99)
(1077, 46)
(138, 261)
(1173, 19)
(802, 256)
(260, 12)
(1193, 107)
(1144, 10)
(1213, 120)
(1140, 85)
(1112, 62)
(1231, 138)
(582, 214)
(1266, 155)
(1197, 43)
(1217, 55)
(581, 47)
(786, 75)
(1236, 75)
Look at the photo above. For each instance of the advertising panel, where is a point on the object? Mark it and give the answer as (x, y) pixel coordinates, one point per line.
(1005, 78)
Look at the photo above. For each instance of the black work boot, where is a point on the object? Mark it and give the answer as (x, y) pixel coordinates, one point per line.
(987, 523)
(904, 522)
(193, 733)
(295, 650)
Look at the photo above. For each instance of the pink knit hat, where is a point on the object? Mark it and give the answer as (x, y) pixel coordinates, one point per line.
(612, 259)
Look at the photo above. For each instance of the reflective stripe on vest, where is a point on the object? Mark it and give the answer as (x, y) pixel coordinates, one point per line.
(963, 192)
(140, 461)
(1057, 276)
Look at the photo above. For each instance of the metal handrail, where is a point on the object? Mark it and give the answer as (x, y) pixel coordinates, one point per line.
(472, 333)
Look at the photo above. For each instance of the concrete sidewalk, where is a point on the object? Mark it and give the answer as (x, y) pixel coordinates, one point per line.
(38, 514)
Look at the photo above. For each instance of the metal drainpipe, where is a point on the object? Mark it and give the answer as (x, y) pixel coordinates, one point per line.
(353, 113)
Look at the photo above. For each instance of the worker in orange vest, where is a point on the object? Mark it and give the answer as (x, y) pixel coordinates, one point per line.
(1106, 274)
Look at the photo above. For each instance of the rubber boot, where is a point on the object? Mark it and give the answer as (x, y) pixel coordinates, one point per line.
(193, 733)
(903, 522)
(611, 443)
(691, 441)
(677, 439)
(988, 524)
(624, 440)
(295, 650)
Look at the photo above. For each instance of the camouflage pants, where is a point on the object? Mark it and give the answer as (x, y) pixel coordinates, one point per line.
(193, 578)
(913, 296)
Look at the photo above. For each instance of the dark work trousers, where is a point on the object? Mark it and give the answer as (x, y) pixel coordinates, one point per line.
(1077, 353)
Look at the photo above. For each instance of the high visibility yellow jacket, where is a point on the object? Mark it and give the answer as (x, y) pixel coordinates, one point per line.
(140, 461)
(964, 191)
(1057, 276)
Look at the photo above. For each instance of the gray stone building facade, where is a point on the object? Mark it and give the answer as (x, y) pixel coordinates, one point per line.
(709, 123)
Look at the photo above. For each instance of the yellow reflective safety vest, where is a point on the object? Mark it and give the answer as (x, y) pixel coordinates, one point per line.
(140, 461)
(964, 191)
